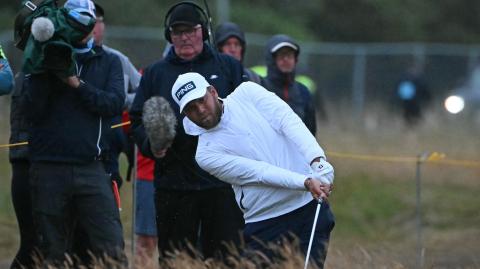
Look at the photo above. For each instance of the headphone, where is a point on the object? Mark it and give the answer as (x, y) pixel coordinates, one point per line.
(205, 32)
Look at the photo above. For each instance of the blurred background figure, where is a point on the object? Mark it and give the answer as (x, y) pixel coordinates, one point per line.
(412, 95)
(230, 40)
(120, 141)
(6, 75)
(281, 56)
(131, 75)
(465, 98)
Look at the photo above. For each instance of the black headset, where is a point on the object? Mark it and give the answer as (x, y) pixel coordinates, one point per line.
(204, 23)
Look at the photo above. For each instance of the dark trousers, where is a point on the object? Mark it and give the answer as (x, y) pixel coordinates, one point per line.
(292, 226)
(63, 194)
(22, 203)
(206, 218)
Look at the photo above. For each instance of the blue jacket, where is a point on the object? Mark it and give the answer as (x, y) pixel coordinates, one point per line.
(178, 169)
(6, 77)
(284, 86)
(70, 125)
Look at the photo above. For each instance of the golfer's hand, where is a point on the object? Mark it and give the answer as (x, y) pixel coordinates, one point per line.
(322, 171)
(318, 189)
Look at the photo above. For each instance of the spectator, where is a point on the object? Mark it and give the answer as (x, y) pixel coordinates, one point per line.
(6, 75)
(21, 198)
(282, 57)
(254, 141)
(131, 76)
(230, 39)
(145, 226)
(70, 117)
(191, 205)
(120, 142)
(412, 94)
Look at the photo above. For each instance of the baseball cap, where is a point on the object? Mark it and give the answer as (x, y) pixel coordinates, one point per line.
(184, 14)
(81, 6)
(284, 44)
(188, 87)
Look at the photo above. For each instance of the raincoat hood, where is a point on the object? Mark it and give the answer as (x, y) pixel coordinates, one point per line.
(274, 44)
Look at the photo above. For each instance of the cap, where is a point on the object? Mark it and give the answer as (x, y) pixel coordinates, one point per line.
(184, 14)
(81, 6)
(283, 44)
(188, 87)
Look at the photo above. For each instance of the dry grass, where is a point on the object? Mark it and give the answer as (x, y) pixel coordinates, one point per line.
(287, 256)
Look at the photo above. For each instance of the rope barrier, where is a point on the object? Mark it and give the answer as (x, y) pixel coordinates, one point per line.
(13, 145)
(433, 158)
(120, 124)
(26, 143)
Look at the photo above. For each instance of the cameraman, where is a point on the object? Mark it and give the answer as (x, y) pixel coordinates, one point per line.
(70, 117)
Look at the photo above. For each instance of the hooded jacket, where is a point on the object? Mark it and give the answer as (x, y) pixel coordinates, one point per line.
(70, 125)
(284, 85)
(178, 170)
(227, 30)
(230, 29)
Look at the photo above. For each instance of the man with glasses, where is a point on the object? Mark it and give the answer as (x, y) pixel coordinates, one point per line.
(281, 57)
(191, 205)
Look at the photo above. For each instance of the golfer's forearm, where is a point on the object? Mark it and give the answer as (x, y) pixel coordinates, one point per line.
(242, 171)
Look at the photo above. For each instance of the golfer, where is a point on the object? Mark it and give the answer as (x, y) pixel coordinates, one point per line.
(254, 141)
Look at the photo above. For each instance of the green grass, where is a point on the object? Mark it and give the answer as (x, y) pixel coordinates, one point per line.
(367, 205)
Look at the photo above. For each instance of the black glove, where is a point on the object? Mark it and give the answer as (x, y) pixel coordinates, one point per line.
(117, 178)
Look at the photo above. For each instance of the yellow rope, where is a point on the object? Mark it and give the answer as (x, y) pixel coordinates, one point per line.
(13, 145)
(120, 124)
(434, 158)
(373, 157)
(26, 143)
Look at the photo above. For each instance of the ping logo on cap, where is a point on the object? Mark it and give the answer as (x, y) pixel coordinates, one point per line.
(184, 89)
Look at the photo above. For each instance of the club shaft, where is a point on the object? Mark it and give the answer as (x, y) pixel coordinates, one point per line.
(313, 232)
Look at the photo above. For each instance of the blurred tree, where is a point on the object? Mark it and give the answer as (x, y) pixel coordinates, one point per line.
(327, 20)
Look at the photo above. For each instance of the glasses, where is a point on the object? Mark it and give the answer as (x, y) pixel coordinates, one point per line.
(189, 32)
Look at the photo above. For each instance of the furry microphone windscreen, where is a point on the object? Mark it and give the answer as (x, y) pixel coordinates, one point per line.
(42, 29)
(160, 123)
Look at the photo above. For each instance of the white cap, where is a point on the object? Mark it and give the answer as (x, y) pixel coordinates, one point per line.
(283, 44)
(188, 87)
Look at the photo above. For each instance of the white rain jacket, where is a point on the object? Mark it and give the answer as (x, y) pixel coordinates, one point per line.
(262, 148)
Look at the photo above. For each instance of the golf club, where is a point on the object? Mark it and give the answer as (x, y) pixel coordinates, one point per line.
(319, 204)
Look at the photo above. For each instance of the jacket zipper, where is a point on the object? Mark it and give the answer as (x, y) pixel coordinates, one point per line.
(79, 72)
